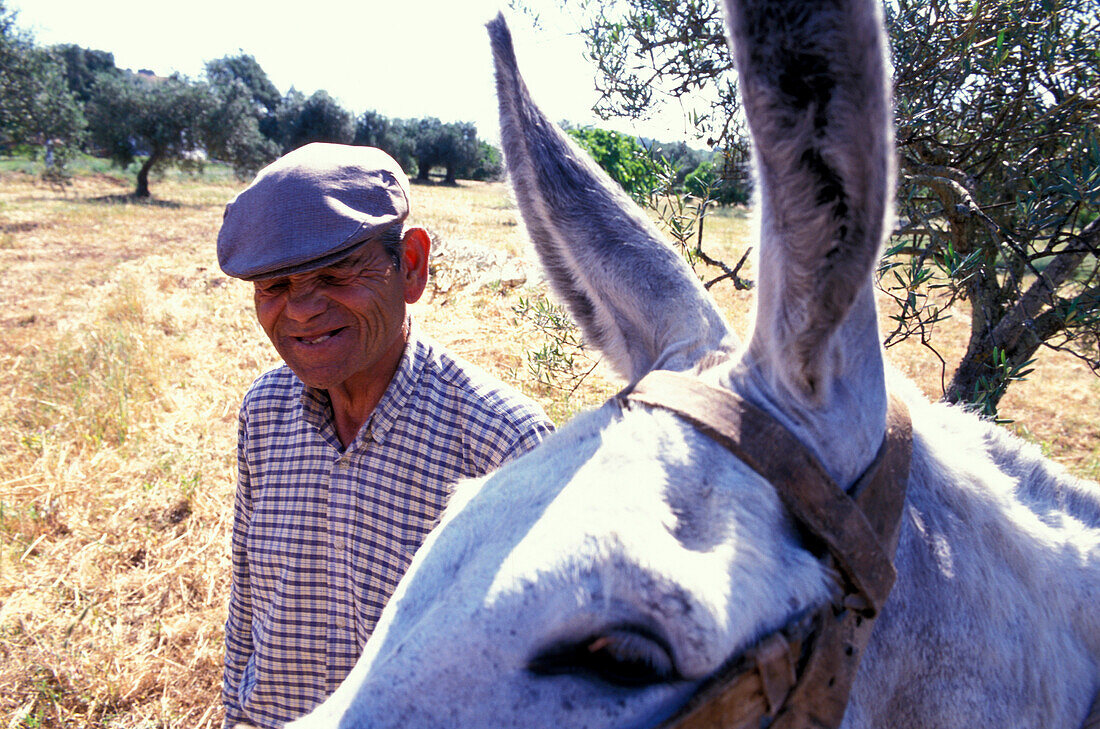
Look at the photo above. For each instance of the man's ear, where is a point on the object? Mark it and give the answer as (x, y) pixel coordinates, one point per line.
(416, 247)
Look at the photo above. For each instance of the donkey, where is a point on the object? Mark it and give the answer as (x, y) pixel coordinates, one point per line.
(601, 579)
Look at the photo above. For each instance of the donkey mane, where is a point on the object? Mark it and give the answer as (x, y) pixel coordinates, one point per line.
(989, 523)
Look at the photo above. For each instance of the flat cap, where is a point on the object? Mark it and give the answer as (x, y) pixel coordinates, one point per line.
(310, 208)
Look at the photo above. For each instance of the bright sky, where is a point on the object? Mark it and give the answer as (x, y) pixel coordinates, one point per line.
(403, 58)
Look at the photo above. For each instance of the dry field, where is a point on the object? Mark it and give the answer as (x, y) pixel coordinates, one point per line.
(125, 352)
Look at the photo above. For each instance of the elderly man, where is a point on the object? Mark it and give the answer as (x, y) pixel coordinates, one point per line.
(346, 454)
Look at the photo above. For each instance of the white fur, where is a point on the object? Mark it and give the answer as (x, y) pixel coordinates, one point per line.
(629, 517)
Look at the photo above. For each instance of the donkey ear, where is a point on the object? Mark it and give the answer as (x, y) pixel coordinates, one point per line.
(633, 296)
(814, 83)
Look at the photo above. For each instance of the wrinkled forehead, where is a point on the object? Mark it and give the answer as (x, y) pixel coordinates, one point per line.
(369, 253)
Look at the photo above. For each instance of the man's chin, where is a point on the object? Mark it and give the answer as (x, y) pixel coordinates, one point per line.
(318, 378)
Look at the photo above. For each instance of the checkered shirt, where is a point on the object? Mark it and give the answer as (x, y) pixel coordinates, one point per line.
(322, 535)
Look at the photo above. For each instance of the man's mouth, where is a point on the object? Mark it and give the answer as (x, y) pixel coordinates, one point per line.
(318, 338)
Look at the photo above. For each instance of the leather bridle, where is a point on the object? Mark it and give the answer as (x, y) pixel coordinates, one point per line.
(800, 676)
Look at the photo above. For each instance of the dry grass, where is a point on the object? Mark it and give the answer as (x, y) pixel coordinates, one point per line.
(125, 350)
(125, 353)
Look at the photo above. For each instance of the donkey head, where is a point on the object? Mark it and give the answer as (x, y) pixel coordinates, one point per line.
(598, 580)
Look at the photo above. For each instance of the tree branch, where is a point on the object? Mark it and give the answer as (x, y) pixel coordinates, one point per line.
(1041, 292)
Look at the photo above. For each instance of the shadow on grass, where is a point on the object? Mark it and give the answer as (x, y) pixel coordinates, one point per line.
(20, 227)
(434, 182)
(131, 199)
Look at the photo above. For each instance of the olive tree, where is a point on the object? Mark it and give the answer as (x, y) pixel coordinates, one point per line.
(173, 121)
(393, 136)
(158, 120)
(316, 118)
(998, 112)
(225, 72)
(454, 146)
(83, 66)
(37, 109)
(998, 108)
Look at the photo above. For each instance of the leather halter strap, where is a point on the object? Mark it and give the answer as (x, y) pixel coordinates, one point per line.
(800, 676)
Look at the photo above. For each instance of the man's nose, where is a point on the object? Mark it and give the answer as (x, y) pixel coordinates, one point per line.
(304, 302)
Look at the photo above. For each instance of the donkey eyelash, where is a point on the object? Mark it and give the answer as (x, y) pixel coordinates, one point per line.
(628, 656)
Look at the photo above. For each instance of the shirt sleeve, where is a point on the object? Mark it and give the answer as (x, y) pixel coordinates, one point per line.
(508, 433)
(530, 435)
(238, 626)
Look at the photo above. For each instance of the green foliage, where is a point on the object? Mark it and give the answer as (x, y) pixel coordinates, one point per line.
(683, 217)
(392, 136)
(998, 112)
(225, 72)
(990, 386)
(174, 121)
(698, 182)
(683, 159)
(56, 119)
(723, 174)
(560, 363)
(319, 118)
(422, 145)
(649, 51)
(231, 130)
(999, 106)
(622, 157)
(644, 167)
(37, 109)
(490, 163)
(82, 65)
(244, 128)
(15, 75)
(452, 146)
(720, 181)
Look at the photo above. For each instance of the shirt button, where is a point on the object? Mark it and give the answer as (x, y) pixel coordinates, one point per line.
(338, 544)
(341, 623)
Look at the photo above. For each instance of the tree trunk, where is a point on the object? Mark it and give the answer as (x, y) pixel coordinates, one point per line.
(423, 167)
(143, 175)
(981, 379)
(1019, 330)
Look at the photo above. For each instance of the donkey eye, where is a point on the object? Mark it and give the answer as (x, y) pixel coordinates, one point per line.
(627, 656)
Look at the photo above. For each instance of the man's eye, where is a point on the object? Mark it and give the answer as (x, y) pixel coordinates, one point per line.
(271, 289)
(627, 656)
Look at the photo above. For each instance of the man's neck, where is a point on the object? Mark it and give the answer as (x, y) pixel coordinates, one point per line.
(348, 418)
(354, 400)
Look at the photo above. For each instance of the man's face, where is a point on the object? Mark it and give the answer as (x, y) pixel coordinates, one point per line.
(339, 325)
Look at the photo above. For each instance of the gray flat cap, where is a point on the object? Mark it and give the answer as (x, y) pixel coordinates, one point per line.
(310, 208)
